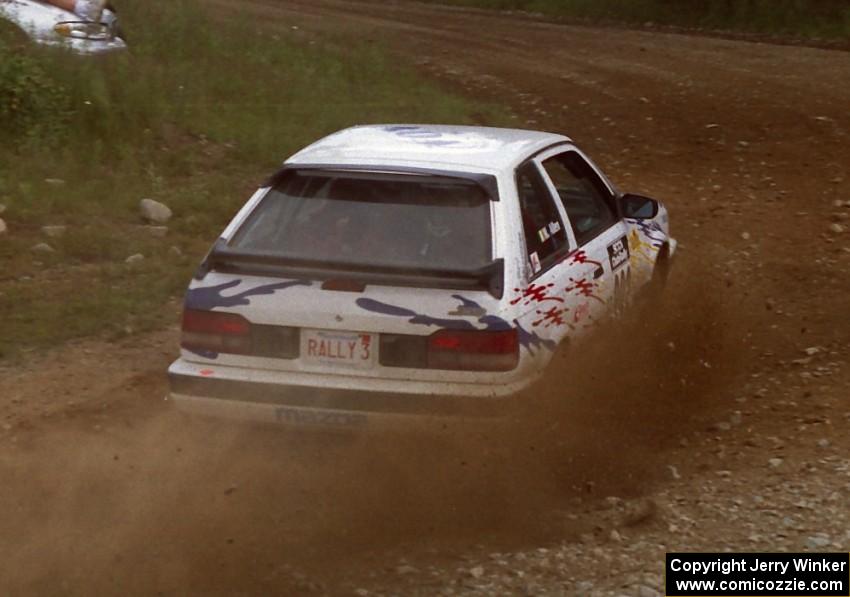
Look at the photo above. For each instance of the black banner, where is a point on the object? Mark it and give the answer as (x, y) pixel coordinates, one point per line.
(758, 574)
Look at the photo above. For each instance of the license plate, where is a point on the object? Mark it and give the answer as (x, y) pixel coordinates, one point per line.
(321, 418)
(346, 349)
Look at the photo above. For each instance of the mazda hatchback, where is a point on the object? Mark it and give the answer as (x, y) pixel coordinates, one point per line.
(403, 270)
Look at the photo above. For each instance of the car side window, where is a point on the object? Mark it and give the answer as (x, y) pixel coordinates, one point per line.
(545, 237)
(586, 200)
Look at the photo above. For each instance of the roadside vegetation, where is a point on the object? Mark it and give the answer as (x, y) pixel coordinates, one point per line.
(807, 18)
(197, 112)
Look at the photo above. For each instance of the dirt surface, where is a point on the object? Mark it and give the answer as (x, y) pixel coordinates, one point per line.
(716, 421)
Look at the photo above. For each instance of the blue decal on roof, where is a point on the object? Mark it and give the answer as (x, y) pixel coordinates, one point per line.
(210, 297)
(422, 135)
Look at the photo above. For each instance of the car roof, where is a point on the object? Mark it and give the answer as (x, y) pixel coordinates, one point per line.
(474, 148)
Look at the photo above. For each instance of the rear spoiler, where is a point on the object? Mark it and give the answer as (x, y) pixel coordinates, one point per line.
(487, 182)
(223, 258)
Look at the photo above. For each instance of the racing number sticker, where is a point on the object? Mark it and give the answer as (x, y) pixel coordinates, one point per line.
(618, 253)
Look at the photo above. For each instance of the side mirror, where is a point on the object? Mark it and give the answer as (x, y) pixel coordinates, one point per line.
(638, 207)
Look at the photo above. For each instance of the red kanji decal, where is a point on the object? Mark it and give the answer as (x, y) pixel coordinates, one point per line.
(535, 294)
(584, 288)
(581, 257)
(553, 316)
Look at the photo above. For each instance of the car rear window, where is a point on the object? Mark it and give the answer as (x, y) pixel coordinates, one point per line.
(372, 220)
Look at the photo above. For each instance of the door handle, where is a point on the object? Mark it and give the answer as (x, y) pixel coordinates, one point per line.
(598, 273)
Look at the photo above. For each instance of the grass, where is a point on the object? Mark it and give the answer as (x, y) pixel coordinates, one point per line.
(807, 18)
(194, 115)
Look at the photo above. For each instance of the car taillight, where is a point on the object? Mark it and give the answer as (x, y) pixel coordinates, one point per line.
(471, 350)
(216, 332)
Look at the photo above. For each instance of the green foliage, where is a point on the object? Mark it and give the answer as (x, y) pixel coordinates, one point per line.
(198, 111)
(33, 105)
(826, 18)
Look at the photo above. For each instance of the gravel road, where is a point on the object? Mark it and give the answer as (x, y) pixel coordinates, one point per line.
(718, 422)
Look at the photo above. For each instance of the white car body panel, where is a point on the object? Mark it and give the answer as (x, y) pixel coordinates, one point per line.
(561, 303)
(473, 149)
(39, 21)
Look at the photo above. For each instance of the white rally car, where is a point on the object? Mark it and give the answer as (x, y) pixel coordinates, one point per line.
(397, 270)
(49, 25)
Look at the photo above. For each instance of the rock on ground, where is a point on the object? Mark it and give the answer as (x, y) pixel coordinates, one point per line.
(157, 231)
(54, 231)
(42, 248)
(154, 211)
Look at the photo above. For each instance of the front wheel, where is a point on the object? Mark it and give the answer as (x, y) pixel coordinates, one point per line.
(660, 274)
(651, 294)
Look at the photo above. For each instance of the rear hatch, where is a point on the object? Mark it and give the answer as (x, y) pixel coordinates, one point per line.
(357, 273)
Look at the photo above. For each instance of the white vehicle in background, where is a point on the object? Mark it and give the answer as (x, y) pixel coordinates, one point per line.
(49, 25)
(403, 270)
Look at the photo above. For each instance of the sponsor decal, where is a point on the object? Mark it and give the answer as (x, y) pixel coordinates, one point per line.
(534, 259)
(618, 253)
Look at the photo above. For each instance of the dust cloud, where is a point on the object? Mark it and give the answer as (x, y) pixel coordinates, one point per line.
(155, 502)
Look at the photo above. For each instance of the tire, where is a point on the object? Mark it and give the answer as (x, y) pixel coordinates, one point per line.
(651, 295)
(660, 273)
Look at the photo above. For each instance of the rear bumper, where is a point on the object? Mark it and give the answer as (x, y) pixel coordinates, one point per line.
(269, 413)
(231, 393)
